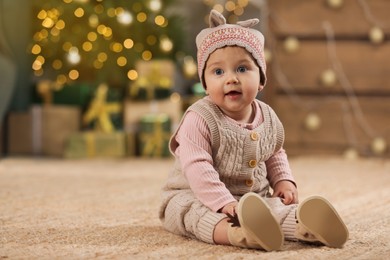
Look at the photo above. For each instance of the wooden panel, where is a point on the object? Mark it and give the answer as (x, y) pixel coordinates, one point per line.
(339, 128)
(305, 17)
(366, 66)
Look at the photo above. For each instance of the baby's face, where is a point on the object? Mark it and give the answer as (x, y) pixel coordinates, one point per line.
(232, 78)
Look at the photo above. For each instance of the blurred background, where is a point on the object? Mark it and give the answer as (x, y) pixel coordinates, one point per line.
(112, 78)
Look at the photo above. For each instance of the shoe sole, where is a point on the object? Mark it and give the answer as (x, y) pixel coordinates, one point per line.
(256, 218)
(319, 217)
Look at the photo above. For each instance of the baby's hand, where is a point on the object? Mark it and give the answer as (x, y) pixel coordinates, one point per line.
(287, 191)
(230, 208)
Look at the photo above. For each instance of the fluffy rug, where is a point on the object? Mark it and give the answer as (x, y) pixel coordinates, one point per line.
(107, 209)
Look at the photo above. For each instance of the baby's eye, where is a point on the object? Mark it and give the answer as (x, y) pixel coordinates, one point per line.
(241, 69)
(218, 72)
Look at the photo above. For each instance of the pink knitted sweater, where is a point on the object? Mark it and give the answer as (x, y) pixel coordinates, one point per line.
(195, 153)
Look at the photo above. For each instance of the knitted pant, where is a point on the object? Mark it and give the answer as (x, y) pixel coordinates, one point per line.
(187, 216)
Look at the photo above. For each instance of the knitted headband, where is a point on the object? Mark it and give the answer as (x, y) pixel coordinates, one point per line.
(221, 34)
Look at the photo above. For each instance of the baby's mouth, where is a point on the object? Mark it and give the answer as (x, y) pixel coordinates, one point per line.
(233, 93)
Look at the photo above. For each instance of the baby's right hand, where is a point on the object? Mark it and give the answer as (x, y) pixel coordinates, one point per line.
(230, 208)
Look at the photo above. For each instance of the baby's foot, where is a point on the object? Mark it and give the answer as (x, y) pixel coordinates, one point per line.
(319, 221)
(256, 218)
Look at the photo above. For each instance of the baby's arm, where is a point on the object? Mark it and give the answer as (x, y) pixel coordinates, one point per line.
(196, 160)
(287, 191)
(280, 177)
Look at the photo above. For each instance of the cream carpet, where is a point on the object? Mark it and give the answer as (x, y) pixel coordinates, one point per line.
(107, 209)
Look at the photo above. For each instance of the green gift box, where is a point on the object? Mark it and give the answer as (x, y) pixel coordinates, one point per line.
(93, 144)
(73, 95)
(144, 89)
(154, 134)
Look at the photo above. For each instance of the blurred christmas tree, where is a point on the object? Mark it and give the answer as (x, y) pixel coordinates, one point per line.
(100, 40)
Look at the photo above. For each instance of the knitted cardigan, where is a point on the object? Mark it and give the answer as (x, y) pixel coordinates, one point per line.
(238, 154)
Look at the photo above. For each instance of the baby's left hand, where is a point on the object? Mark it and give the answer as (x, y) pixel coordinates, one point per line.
(287, 191)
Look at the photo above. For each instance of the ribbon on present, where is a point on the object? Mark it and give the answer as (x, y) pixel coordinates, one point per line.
(90, 146)
(100, 110)
(154, 142)
(44, 90)
(150, 81)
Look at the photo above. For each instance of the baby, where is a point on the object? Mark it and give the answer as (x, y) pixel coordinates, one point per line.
(229, 156)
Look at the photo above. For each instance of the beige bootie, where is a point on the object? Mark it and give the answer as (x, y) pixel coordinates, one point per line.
(238, 237)
(318, 221)
(259, 228)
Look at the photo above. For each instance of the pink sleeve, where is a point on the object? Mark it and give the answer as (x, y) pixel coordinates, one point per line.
(278, 168)
(194, 152)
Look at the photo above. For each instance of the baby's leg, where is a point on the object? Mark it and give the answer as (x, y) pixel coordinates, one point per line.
(285, 214)
(185, 215)
(314, 220)
(221, 232)
(258, 227)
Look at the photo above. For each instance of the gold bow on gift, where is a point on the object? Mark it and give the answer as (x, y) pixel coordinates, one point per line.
(100, 110)
(45, 88)
(150, 81)
(155, 141)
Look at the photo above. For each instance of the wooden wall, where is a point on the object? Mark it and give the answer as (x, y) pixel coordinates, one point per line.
(350, 116)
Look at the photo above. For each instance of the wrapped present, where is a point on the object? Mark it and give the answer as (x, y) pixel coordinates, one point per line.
(102, 113)
(20, 133)
(42, 130)
(154, 134)
(131, 144)
(135, 110)
(92, 144)
(155, 80)
(49, 92)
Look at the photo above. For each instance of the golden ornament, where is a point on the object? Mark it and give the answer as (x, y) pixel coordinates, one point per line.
(335, 3)
(376, 35)
(378, 145)
(328, 78)
(351, 154)
(190, 68)
(291, 44)
(267, 55)
(312, 121)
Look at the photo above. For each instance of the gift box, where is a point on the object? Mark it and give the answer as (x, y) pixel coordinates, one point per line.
(42, 130)
(48, 92)
(93, 144)
(155, 80)
(104, 112)
(131, 144)
(20, 133)
(134, 110)
(154, 135)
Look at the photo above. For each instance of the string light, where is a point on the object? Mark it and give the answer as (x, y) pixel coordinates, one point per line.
(125, 18)
(291, 44)
(73, 55)
(328, 78)
(155, 5)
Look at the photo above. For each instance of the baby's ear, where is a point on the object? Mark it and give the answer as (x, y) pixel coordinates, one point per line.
(216, 18)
